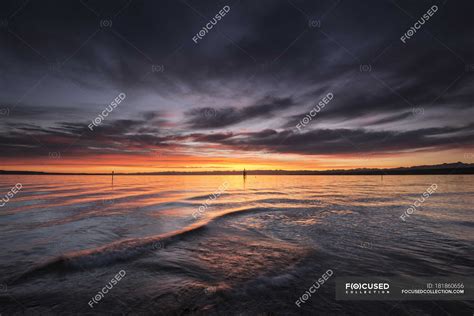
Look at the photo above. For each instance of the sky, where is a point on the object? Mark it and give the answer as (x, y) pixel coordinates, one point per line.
(237, 95)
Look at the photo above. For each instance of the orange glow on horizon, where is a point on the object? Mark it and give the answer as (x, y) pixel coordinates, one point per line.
(156, 163)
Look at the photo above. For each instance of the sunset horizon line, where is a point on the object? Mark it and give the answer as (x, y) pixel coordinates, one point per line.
(467, 168)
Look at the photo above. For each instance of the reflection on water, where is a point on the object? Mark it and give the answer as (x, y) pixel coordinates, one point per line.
(255, 249)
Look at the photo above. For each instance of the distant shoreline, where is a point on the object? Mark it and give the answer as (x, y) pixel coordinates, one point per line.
(442, 169)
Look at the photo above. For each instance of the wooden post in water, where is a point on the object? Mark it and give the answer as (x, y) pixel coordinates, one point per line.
(112, 178)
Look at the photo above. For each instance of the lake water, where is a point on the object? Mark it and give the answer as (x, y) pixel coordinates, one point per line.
(253, 248)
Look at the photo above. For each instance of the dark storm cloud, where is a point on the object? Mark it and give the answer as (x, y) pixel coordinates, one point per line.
(345, 141)
(260, 48)
(202, 118)
(136, 136)
(369, 94)
(147, 33)
(157, 29)
(114, 136)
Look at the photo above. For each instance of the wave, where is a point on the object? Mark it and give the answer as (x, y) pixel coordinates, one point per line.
(124, 250)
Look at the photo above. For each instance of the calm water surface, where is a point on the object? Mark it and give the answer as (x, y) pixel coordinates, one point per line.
(253, 249)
